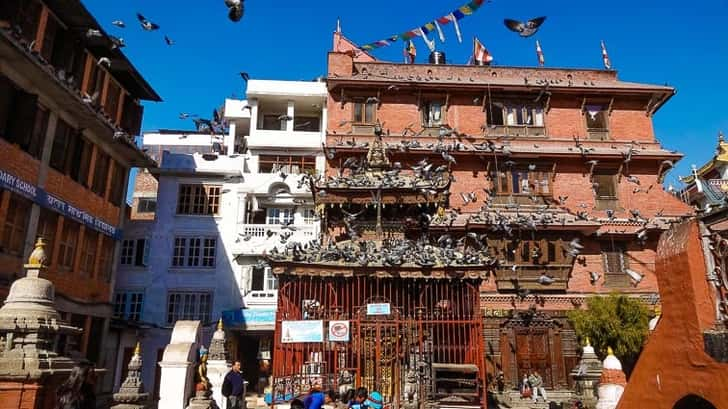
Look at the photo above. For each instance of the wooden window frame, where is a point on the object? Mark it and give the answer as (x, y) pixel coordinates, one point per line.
(194, 252)
(189, 305)
(68, 245)
(426, 109)
(47, 228)
(359, 111)
(15, 226)
(101, 172)
(599, 133)
(198, 199)
(128, 305)
(516, 129)
(615, 278)
(505, 177)
(604, 202)
(145, 209)
(89, 253)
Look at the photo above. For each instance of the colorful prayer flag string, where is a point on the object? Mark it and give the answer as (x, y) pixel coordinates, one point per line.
(431, 26)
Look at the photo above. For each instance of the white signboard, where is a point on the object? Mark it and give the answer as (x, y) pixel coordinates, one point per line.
(339, 331)
(379, 309)
(302, 331)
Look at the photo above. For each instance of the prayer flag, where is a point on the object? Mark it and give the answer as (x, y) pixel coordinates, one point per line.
(539, 54)
(480, 53)
(605, 57)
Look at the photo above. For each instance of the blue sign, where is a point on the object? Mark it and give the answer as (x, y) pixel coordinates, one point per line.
(302, 331)
(379, 309)
(45, 199)
(249, 317)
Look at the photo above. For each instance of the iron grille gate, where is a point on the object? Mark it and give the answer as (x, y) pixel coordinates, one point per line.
(430, 322)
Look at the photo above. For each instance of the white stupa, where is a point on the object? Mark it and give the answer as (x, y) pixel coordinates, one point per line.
(612, 382)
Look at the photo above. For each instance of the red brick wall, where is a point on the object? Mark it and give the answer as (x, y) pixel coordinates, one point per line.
(147, 184)
(674, 364)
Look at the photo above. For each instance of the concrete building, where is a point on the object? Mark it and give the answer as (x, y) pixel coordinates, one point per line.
(194, 253)
(66, 146)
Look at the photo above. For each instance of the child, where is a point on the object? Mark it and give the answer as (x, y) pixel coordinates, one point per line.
(360, 396)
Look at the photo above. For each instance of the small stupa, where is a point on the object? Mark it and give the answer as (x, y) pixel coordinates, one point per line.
(30, 323)
(131, 394)
(586, 375)
(611, 383)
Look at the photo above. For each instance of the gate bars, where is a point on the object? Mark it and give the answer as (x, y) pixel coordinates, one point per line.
(431, 321)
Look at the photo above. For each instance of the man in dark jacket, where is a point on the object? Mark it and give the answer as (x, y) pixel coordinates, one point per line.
(233, 388)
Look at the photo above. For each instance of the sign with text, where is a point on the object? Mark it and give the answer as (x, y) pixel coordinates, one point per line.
(47, 200)
(249, 318)
(302, 331)
(339, 331)
(379, 309)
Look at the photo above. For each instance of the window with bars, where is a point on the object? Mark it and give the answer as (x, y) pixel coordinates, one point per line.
(128, 305)
(147, 205)
(68, 244)
(198, 200)
(189, 306)
(194, 252)
(135, 252)
(286, 163)
(118, 174)
(277, 215)
(522, 182)
(614, 254)
(604, 182)
(23, 121)
(88, 252)
(530, 252)
(365, 112)
(15, 226)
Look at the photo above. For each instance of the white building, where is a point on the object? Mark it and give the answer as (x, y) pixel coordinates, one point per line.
(216, 212)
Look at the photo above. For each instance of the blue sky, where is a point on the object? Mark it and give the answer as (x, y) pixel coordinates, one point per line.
(678, 43)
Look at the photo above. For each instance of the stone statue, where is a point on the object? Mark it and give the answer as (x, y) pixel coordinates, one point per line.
(203, 381)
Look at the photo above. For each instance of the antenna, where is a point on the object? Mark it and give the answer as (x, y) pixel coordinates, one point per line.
(338, 25)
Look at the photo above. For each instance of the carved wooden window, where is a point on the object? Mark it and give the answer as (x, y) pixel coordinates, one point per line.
(365, 112)
(614, 255)
(88, 252)
(513, 118)
(605, 188)
(69, 242)
(597, 121)
(433, 114)
(522, 182)
(47, 224)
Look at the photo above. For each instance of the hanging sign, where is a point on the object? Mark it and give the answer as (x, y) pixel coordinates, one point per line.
(302, 331)
(339, 331)
(379, 309)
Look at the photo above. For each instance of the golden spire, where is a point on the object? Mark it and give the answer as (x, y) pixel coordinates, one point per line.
(610, 351)
(219, 324)
(587, 342)
(38, 258)
(138, 349)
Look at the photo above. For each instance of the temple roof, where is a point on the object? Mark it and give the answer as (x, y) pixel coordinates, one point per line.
(720, 158)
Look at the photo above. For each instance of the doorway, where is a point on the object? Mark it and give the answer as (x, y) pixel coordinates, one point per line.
(379, 351)
(533, 353)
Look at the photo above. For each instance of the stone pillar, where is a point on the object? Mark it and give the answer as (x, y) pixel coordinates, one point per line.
(586, 376)
(611, 383)
(218, 364)
(178, 363)
(30, 369)
(131, 394)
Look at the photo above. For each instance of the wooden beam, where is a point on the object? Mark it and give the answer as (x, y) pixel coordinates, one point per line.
(40, 33)
(120, 107)
(547, 108)
(87, 73)
(610, 107)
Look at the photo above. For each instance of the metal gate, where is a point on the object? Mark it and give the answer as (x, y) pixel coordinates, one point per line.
(427, 322)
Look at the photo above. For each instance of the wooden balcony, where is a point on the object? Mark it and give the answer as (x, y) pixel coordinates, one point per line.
(526, 277)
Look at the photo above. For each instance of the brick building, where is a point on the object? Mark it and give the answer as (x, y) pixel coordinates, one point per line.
(67, 121)
(556, 172)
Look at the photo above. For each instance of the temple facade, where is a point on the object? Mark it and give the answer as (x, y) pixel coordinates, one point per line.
(465, 210)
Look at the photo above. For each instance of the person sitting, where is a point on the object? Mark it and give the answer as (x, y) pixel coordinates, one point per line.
(374, 401)
(316, 399)
(537, 386)
(360, 396)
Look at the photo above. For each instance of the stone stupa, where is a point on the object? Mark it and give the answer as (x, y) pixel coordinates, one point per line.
(30, 323)
(611, 383)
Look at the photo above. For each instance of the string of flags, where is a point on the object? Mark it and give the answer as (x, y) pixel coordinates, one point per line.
(434, 26)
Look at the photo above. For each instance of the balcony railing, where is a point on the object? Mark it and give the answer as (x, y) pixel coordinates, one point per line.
(258, 238)
(290, 139)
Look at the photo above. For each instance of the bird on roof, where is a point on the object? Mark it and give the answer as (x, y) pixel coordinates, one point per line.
(104, 61)
(544, 279)
(236, 8)
(117, 42)
(285, 117)
(92, 32)
(245, 76)
(146, 24)
(119, 23)
(524, 29)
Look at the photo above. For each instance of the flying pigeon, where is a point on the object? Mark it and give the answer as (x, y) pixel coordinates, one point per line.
(245, 76)
(168, 40)
(146, 24)
(526, 29)
(637, 277)
(235, 9)
(117, 42)
(119, 23)
(594, 277)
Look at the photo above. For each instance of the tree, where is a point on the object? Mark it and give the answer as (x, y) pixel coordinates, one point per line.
(615, 321)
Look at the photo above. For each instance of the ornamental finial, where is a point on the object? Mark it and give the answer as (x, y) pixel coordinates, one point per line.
(38, 258)
(219, 324)
(138, 349)
(588, 342)
(610, 351)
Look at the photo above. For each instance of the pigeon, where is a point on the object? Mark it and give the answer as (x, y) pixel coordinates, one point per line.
(574, 247)
(119, 23)
(117, 42)
(168, 40)
(594, 277)
(146, 24)
(236, 8)
(245, 76)
(285, 117)
(104, 61)
(91, 33)
(526, 29)
(637, 277)
(449, 158)
(633, 179)
(543, 279)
